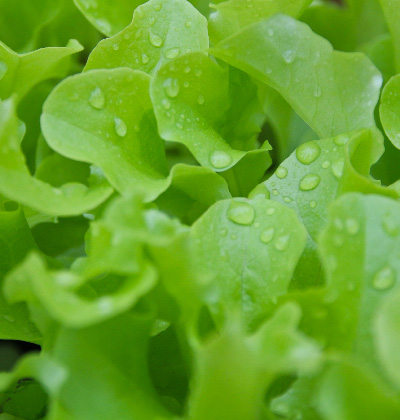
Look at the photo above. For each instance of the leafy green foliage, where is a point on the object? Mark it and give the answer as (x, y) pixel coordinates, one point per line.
(199, 209)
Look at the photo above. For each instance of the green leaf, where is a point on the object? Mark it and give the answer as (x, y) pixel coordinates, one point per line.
(160, 31)
(15, 242)
(234, 369)
(16, 183)
(322, 85)
(251, 248)
(314, 175)
(390, 110)
(230, 17)
(392, 15)
(20, 72)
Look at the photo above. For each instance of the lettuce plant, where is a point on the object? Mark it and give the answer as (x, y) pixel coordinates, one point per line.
(199, 209)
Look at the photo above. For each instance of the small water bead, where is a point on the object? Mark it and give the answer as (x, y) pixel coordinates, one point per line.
(200, 100)
(186, 84)
(352, 226)
(179, 125)
(171, 87)
(313, 204)
(188, 23)
(145, 58)
(271, 211)
(384, 279)
(241, 213)
(166, 103)
(158, 7)
(187, 69)
(341, 140)
(223, 232)
(390, 226)
(155, 40)
(275, 192)
(326, 164)
(260, 190)
(282, 242)
(281, 172)
(198, 72)
(172, 53)
(97, 99)
(310, 182)
(152, 21)
(115, 47)
(287, 199)
(307, 153)
(337, 168)
(120, 127)
(288, 56)
(136, 128)
(220, 159)
(317, 91)
(267, 235)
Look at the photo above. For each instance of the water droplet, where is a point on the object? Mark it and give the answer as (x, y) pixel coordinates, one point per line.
(127, 35)
(120, 127)
(309, 182)
(200, 100)
(158, 7)
(326, 164)
(384, 279)
(97, 99)
(223, 232)
(287, 199)
(341, 140)
(281, 172)
(145, 58)
(187, 69)
(172, 53)
(155, 40)
(115, 47)
(377, 81)
(275, 192)
(241, 213)
(317, 91)
(166, 103)
(390, 226)
(267, 235)
(307, 153)
(352, 226)
(198, 72)
(313, 204)
(233, 236)
(337, 168)
(188, 23)
(220, 159)
(270, 32)
(282, 242)
(171, 87)
(260, 190)
(152, 21)
(3, 69)
(271, 211)
(288, 56)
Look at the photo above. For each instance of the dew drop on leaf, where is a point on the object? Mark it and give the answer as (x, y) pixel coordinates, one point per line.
(384, 279)
(309, 182)
(241, 213)
(3, 69)
(288, 56)
(223, 232)
(220, 159)
(158, 7)
(281, 172)
(352, 226)
(172, 53)
(171, 87)
(166, 103)
(313, 204)
(341, 140)
(120, 127)
(307, 153)
(267, 235)
(337, 168)
(271, 211)
(145, 58)
(260, 189)
(326, 164)
(390, 226)
(282, 242)
(200, 100)
(97, 99)
(188, 23)
(155, 40)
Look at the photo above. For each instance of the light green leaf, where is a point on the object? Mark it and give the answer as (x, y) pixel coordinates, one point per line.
(160, 31)
(322, 85)
(20, 72)
(190, 97)
(391, 9)
(387, 336)
(230, 17)
(234, 369)
(314, 175)
(390, 110)
(15, 242)
(16, 183)
(251, 248)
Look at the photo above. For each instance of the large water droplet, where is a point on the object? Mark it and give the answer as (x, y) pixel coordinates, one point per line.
(220, 159)
(171, 87)
(155, 40)
(282, 242)
(97, 99)
(308, 152)
(337, 168)
(241, 213)
(384, 279)
(172, 53)
(281, 172)
(120, 127)
(267, 235)
(309, 182)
